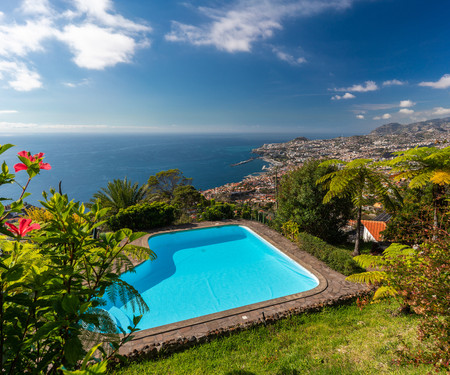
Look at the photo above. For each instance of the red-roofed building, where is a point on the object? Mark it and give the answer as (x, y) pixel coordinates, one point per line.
(372, 230)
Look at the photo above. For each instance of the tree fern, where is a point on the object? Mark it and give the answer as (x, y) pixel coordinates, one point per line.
(370, 277)
(359, 179)
(381, 276)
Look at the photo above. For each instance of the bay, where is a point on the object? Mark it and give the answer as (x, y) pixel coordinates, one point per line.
(84, 163)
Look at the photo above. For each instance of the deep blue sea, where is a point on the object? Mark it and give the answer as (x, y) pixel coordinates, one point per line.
(85, 163)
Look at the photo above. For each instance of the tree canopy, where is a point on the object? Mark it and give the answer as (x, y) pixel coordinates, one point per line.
(300, 199)
(163, 183)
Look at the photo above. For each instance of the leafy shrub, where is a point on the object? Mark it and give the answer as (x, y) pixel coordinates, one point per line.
(143, 216)
(290, 230)
(218, 211)
(420, 280)
(338, 259)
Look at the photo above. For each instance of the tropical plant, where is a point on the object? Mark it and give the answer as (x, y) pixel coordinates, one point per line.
(300, 199)
(119, 194)
(378, 275)
(361, 180)
(424, 165)
(419, 279)
(52, 282)
(163, 184)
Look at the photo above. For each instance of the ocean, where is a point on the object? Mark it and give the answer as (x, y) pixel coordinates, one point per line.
(84, 163)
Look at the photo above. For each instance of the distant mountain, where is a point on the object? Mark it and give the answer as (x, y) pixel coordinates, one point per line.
(424, 128)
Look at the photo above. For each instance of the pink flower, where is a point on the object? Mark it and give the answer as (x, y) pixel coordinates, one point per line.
(24, 227)
(37, 158)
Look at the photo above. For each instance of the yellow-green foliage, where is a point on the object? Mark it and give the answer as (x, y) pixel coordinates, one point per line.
(38, 215)
(26, 255)
(378, 276)
(290, 230)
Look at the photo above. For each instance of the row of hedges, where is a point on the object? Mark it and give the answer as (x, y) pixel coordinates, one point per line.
(143, 216)
(338, 259)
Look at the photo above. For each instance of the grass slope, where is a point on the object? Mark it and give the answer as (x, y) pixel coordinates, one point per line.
(338, 340)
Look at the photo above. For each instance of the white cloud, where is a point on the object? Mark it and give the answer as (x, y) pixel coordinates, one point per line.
(368, 86)
(245, 22)
(406, 103)
(7, 127)
(83, 82)
(347, 95)
(393, 82)
(386, 116)
(7, 111)
(441, 111)
(19, 77)
(36, 7)
(288, 58)
(97, 36)
(361, 117)
(20, 40)
(102, 12)
(443, 83)
(97, 48)
(406, 111)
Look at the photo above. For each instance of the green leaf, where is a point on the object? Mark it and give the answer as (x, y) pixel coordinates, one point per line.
(13, 274)
(136, 319)
(70, 303)
(45, 330)
(73, 350)
(136, 235)
(5, 147)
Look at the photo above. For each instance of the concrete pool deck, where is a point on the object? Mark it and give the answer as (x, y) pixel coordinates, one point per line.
(332, 289)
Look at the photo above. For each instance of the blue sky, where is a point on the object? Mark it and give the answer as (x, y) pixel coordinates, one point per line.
(294, 66)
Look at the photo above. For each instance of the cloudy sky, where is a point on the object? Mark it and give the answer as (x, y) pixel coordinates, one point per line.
(306, 66)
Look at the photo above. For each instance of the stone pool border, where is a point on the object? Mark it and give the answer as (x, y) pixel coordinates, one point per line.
(332, 289)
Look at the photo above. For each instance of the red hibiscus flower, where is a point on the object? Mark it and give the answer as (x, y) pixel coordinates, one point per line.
(37, 158)
(24, 227)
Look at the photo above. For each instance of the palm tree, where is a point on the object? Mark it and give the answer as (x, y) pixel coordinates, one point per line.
(120, 194)
(421, 166)
(359, 179)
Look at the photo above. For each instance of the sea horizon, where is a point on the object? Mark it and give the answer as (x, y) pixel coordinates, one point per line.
(85, 163)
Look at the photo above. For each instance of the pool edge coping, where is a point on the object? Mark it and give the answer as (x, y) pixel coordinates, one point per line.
(229, 319)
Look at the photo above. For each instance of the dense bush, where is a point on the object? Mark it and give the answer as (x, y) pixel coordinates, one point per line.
(143, 216)
(300, 199)
(218, 211)
(338, 259)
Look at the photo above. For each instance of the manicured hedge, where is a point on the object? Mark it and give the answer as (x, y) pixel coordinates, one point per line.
(143, 216)
(338, 259)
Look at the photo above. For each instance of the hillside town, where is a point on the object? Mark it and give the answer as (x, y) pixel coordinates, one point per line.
(380, 144)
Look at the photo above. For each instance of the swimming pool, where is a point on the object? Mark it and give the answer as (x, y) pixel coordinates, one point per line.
(204, 271)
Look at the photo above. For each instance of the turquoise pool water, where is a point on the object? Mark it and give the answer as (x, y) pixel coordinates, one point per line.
(203, 271)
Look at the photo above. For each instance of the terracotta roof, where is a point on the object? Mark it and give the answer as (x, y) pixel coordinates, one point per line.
(374, 227)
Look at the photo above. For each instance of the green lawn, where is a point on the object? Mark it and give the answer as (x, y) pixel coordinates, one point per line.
(338, 340)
